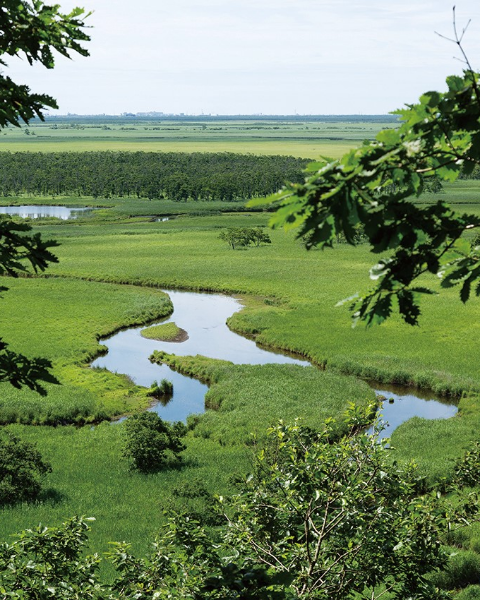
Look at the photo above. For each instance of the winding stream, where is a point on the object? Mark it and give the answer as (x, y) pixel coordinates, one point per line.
(204, 317)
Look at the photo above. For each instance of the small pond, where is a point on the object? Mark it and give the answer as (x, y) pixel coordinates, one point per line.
(204, 317)
(401, 404)
(38, 211)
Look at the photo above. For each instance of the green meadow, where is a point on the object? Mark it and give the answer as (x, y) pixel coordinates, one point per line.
(113, 264)
(305, 137)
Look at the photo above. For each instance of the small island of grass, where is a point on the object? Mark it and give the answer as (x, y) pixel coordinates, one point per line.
(167, 332)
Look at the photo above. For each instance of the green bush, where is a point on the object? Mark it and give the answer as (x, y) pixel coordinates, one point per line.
(21, 470)
(467, 467)
(164, 388)
(151, 442)
(472, 592)
(463, 568)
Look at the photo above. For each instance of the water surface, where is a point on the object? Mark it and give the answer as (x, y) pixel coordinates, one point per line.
(203, 316)
(401, 404)
(38, 211)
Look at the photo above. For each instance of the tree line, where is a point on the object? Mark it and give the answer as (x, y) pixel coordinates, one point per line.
(172, 175)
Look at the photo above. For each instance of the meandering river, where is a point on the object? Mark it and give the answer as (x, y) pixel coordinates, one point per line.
(204, 317)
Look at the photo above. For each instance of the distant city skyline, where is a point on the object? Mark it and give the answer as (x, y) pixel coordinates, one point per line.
(230, 57)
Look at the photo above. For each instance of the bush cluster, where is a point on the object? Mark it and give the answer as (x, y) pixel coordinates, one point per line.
(151, 442)
(22, 470)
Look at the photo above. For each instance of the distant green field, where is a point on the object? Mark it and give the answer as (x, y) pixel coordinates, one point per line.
(112, 264)
(305, 139)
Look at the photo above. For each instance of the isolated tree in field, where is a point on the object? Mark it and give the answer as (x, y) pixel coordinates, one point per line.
(33, 31)
(22, 470)
(439, 138)
(244, 236)
(259, 236)
(150, 442)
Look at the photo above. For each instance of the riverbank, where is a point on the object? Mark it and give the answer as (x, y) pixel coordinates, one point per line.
(290, 298)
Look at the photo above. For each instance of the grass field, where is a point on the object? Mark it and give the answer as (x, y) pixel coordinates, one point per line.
(305, 139)
(111, 267)
(186, 253)
(90, 477)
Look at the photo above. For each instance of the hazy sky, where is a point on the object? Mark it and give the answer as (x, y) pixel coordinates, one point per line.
(257, 56)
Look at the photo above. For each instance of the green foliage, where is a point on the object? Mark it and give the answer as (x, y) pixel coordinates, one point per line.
(322, 513)
(432, 185)
(150, 441)
(187, 563)
(315, 513)
(176, 176)
(259, 236)
(373, 186)
(472, 592)
(22, 470)
(34, 30)
(467, 468)
(49, 562)
(244, 236)
(164, 389)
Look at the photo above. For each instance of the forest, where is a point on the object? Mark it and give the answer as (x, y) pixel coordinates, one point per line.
(172, 175)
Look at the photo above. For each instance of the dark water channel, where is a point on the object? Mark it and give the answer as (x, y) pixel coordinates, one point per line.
(204, 317)
(39, 211)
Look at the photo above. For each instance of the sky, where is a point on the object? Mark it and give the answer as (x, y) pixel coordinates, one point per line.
(257, 56)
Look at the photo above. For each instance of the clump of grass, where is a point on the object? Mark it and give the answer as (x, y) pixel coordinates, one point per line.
(246, 399)
(166, 332)
(159, 390)
(463, 569)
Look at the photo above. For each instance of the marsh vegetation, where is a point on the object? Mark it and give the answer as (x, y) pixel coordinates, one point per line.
(112, 267)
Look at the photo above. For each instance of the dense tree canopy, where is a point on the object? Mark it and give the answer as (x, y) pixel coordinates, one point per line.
(178, 176)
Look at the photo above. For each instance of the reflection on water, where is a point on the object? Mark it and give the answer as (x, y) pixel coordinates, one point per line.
(400, 405)
(39, 211)
(204, 317)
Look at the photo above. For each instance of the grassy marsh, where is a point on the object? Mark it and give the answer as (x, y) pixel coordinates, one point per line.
(111, 266)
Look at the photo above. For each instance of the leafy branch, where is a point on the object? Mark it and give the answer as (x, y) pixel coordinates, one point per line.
(374, 187)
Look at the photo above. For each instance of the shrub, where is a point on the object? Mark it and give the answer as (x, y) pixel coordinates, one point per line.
(463, 568)
(470, 593)
(164, 388)
(151, 442)
(21, 470)
(467, 468)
